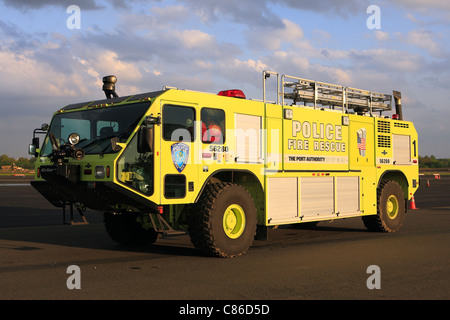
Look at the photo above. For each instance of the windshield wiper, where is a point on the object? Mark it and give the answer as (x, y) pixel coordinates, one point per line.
(95, 142)
(106, 148)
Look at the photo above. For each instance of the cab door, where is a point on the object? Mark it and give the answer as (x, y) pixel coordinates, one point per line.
(178, 169)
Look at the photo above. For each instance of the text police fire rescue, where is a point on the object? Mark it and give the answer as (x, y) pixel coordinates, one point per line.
(327, 137)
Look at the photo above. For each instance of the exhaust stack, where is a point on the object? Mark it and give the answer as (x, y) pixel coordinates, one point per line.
(109, 86)
(398, 104)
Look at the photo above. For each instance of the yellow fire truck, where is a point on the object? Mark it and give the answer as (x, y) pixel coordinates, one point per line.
(225, 168)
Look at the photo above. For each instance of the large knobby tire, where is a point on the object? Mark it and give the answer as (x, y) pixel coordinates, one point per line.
(223, 222)
(124, 229)
(390, 209)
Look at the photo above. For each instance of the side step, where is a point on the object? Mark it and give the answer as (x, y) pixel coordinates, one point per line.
(163, 227)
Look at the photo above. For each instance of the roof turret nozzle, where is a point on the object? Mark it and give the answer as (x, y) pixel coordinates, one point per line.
(109, 86)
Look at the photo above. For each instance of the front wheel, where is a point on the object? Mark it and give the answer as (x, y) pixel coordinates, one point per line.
(390, 209)
(223, 222)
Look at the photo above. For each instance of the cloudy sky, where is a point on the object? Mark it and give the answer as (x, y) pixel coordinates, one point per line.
(211, 45)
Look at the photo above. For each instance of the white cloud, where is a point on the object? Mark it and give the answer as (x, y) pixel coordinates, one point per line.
(107, 62)
(422, 13)
(158, 18)
(22, 75)
(194, 39)
(248, 12)
(388, 60)
(321, 36)
(290, 35)
(425, 40)
(381, 35)
(177, 13)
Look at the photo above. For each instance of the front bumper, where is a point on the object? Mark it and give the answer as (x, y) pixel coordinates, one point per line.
(62, 185)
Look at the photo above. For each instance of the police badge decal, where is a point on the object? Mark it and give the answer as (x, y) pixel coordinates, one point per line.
(180, 155)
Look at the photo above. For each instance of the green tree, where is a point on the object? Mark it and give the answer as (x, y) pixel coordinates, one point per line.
(6, 160)
(430, 162)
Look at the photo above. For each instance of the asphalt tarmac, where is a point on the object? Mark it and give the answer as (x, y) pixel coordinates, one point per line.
(332, 262)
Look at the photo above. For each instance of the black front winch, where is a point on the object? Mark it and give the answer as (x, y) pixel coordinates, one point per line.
(60, 173)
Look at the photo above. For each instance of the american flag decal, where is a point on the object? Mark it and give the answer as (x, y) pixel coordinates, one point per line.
(361, 141)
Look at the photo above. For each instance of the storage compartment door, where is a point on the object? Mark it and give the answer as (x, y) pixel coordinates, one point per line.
(282, 200)
(402, 149)
(347, 195)
(316, 196)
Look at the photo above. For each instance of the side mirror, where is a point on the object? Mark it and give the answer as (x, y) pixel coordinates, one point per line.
(35, 142)
(32, 150)
(33, 147)
(145, 139)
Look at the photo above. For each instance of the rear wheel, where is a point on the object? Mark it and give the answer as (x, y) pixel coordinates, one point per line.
(125, 229)
(223, 222)
(390, 209)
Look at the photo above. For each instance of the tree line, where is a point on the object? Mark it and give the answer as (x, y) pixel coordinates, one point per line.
(430, 162)
(26, 163)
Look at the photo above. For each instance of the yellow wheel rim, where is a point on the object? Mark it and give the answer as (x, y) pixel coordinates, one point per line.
(234, 221)
(392, 207)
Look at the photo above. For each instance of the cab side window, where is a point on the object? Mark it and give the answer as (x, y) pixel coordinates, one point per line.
(178, 123)
(213, 125)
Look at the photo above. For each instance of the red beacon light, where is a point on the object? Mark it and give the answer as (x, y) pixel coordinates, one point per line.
(235, 93)
(395, 117)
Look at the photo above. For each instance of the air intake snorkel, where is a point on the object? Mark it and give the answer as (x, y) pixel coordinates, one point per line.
(398, 104)
(109, 86)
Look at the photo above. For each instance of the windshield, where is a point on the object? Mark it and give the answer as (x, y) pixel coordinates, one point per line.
(96, 127)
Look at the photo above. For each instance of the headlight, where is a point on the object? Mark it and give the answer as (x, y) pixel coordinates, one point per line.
(99, 172)
(74, 138)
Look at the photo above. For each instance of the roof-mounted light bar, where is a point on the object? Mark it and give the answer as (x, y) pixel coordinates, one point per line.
(234, 93)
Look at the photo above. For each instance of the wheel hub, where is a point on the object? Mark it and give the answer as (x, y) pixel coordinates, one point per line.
(234, 221)
(392, 207)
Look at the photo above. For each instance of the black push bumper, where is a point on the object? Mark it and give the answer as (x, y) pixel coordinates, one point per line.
(62, 185)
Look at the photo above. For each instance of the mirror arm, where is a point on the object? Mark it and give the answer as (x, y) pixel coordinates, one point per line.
(33, 148)
(152, 120)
